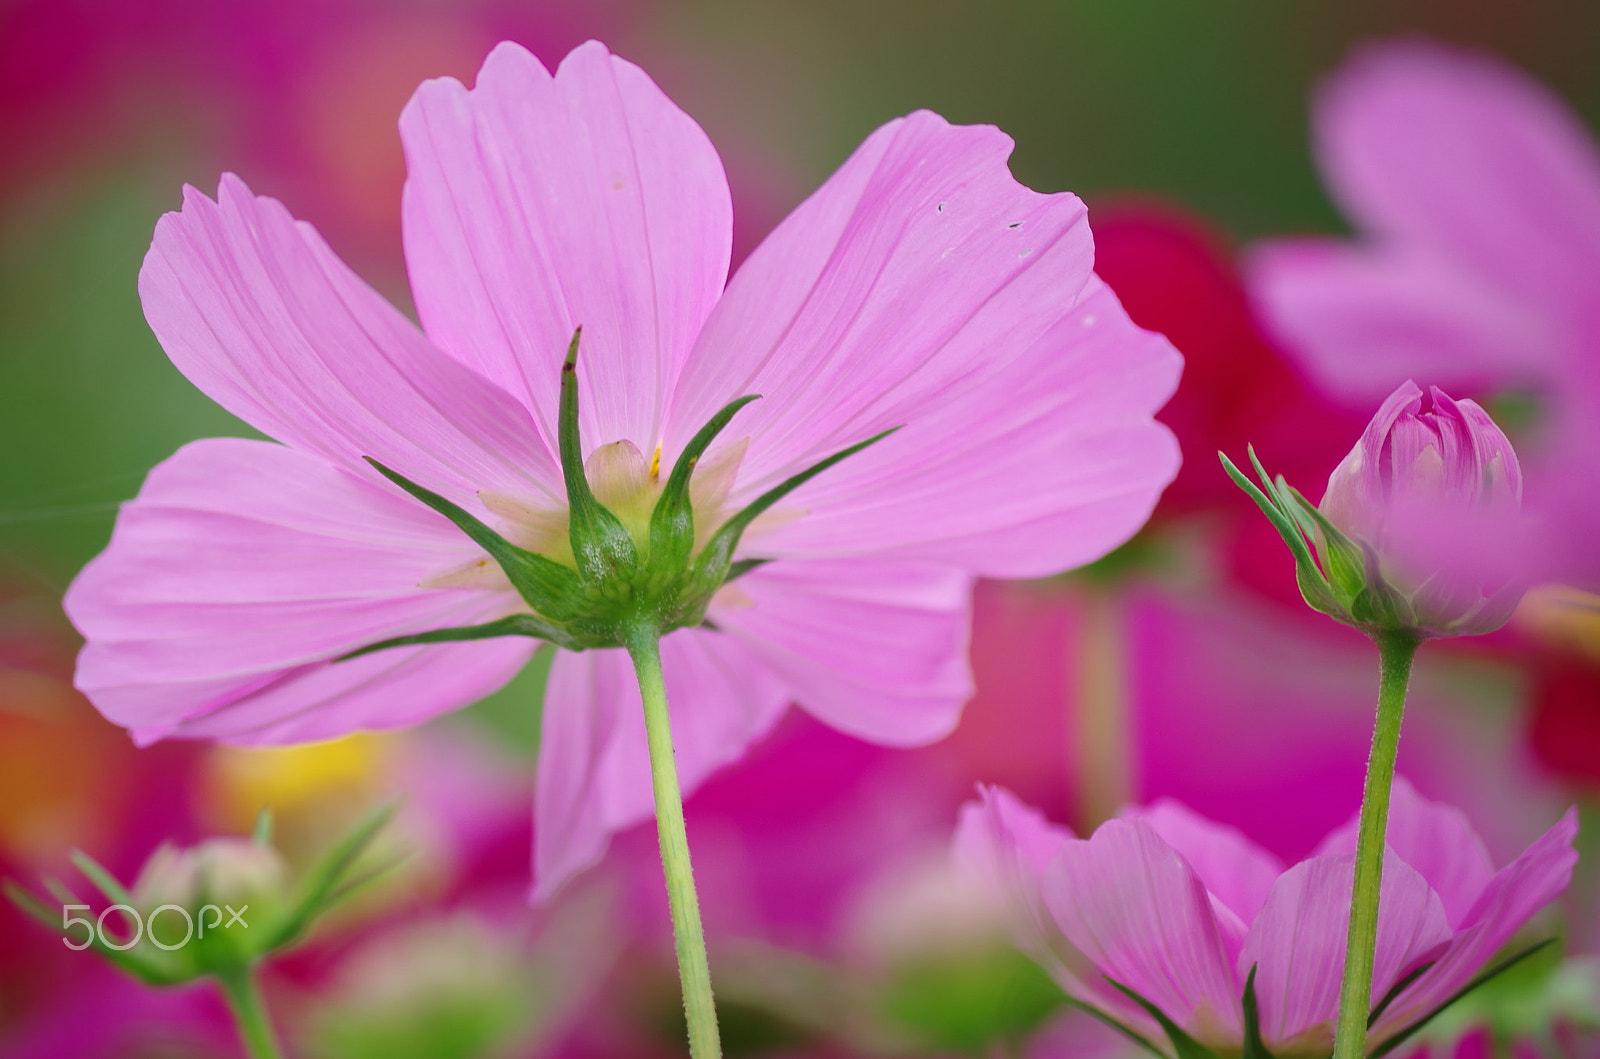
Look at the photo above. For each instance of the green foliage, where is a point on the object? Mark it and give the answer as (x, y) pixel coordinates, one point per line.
(966, 1002)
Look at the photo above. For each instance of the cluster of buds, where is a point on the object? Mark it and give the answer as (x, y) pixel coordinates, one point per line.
(216, 909)
(1416, 532)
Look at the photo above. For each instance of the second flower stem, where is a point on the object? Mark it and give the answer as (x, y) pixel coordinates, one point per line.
(1395, 652)
(694, 970)
(250, 1013)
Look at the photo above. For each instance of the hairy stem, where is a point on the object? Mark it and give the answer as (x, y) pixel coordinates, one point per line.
(249, 1013)
(1395, 652)
(693, 969)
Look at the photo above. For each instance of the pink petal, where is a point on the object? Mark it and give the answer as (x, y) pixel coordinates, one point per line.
(1297, 943)
(594, 765)
(535, 204)
(1468, 156)
(1069, 463)
(1234, 869)
(875, 649)
(1132, 905)
(242, 568)
(1361, 319)
(916, 288)
(1436, 840)
(1515, 893)
(259, 314)
(1008, 845)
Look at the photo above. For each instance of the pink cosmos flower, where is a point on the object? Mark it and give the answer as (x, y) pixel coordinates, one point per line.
(1477, 196)
(1180, 910)
(920, 286)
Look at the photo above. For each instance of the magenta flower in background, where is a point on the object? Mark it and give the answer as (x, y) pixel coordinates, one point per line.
(1179, 910)
(920, 286)
(1477, 196)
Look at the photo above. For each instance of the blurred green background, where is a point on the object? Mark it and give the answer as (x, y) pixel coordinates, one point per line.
(106, 115)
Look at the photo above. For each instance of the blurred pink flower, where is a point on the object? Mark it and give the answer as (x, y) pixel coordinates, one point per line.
(1180, 910)
(1478, 198)
(920, 286)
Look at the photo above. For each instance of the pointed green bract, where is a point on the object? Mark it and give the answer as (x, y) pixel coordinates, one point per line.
(103, 880)
(548, 587)
(601, 545)
(1316, 591)
(619, 583)
(1253, 1046)
(715, 559)
(1394, 993)
(1185, 1046)
(324, 885)
(672, 521)
(1483, 979)
(513, 625)
(1338, 576)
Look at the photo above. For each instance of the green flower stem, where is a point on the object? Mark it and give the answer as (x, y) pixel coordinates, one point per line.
(244, 998)
(1395, 651)
(693, 969)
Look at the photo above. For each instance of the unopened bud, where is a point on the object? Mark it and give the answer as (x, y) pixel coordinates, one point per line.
(1419, 528)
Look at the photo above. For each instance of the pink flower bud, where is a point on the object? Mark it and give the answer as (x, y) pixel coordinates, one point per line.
(1433, 493)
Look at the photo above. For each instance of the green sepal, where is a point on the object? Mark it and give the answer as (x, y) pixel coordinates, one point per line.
(1319, 595)
(1378, 605)
(672, 521)
(513, 625)
(261, 834)
(1394, 993)
(103, 880)
(327, 883)
(1492, 973)
(739, 567)
(1343, 562)
(1254, 1048)
(548, 587)
(601, 545)
(124, 959)
(715, 561)
(1185, 1046)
